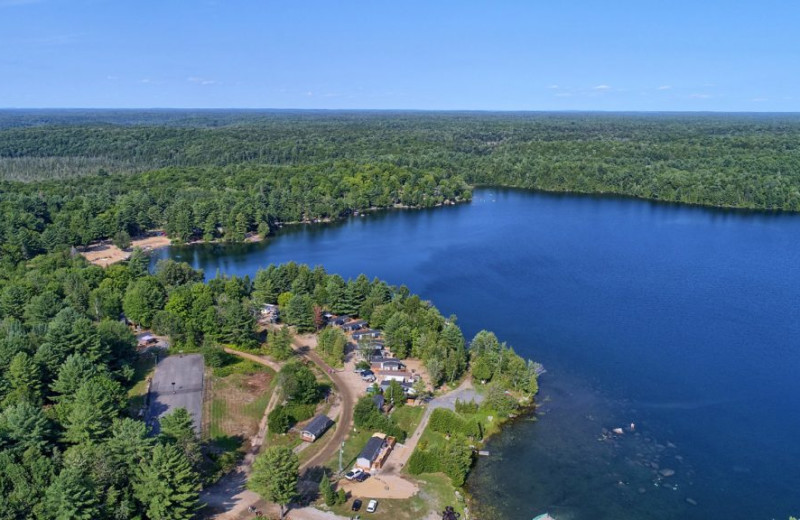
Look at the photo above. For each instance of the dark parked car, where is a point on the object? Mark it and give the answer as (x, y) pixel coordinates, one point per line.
(362, 477)
(356, 504)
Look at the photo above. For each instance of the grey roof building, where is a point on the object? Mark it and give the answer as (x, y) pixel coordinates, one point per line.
(314, 429)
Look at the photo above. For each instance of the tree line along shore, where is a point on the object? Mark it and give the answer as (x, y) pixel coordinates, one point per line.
(74, 177)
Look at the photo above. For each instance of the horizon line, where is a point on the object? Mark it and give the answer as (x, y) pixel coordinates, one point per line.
(440, 110)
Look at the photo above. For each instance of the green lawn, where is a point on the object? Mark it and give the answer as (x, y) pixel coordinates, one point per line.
(352, 447)
(144, 366)
(408, 417)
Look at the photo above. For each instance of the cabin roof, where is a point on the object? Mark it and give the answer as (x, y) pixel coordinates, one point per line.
(318, 425)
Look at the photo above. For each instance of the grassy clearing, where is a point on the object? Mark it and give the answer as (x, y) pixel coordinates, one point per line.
(239, 394)
(352, 447)
(408, 417)
(144, 366)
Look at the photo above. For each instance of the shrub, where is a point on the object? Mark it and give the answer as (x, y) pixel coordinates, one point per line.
(279, 420)
(450, 423)
(422, 461)
(466, 407)
(300, 412)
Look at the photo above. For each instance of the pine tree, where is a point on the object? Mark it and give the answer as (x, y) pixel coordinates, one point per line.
(24, 378)
(97, 403)
(76, 370)
(129, 442)
(178, 428)
(23, 426)
(300, 313)
(275, 476)
(71, 496)
(326, 490)
(166, 485)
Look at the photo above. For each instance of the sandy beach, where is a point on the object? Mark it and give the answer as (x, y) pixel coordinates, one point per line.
(105, 253)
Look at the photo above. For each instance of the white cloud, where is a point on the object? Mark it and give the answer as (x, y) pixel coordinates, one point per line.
(563, 94)
(112, 78)
(201, 81)
(145, 80)
(759, 99)
(699, 96)
(601, 87)
(664, 87)
(553, 87)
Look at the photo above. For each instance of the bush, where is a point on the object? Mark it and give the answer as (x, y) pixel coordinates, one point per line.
(466, 407)
(454, 459)
(422, 461)
(279, 420)
(300, 412)
(450, 423)
(497, 401)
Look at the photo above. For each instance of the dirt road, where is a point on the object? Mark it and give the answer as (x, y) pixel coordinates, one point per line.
(348, 399)
(230, 494)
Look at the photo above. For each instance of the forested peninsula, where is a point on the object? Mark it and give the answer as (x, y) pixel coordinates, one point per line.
(72, 177)
(73, 443)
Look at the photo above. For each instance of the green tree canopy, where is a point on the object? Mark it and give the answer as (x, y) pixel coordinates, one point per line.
(275, 476)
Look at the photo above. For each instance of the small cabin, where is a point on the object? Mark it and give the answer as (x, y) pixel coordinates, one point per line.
(375, 452)
(338, 321)
(364, 334)
(316, 428)
(388, 365)
(354, 325)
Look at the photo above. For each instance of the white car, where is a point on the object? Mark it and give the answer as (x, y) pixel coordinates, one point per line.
(353, 473)
(372, 506)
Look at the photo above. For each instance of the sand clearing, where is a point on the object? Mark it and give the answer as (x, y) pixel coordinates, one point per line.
(381, 486)
(105, 253)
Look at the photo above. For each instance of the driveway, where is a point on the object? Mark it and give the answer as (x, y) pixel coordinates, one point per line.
(402, 452)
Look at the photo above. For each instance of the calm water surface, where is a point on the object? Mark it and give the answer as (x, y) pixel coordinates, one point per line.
(683, 321)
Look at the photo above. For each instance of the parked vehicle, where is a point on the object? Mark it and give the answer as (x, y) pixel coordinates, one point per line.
(361, 478)
(353, 473)
(356, 504)
(368, 375)
(372, 506)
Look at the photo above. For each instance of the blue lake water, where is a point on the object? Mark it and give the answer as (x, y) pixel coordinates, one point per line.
(684, 321)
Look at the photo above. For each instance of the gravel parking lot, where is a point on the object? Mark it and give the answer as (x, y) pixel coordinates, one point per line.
(177, 383)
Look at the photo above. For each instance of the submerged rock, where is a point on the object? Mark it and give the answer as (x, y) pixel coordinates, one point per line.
(691, 501)
(666, 472)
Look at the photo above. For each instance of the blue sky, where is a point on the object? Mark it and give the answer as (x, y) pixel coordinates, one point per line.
(491, 55)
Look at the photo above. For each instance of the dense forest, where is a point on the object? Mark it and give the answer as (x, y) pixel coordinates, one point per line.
(72, 177)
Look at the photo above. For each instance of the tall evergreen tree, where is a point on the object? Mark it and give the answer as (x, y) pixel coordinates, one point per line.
(166, 485)
(24, 426)
(96, 404)
(177, 428)
(24, 379)
(71, 496)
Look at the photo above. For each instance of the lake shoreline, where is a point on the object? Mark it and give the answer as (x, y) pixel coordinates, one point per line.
(661, 326)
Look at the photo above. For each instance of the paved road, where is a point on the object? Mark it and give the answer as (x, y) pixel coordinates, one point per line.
(177, 383)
